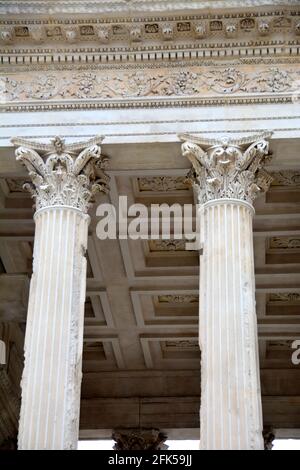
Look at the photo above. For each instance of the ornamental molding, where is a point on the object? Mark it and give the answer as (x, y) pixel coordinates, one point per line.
(285, 243)
(138, 87)
(285, 297)
(175, 345)
(16, 185)
(162, 183)
(289, 178)
(144, 104)
(228, 168)
(231, 26)
(167, 245)
(171, 55)
(63, 174)
(178, 299)
(14, 7)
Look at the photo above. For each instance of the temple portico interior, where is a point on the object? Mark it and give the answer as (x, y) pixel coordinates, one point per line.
(142, 368)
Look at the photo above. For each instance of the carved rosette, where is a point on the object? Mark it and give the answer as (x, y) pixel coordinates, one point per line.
(63, 175)
(228, 168)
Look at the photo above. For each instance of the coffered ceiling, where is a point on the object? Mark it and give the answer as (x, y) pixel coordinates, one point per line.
(141, 358)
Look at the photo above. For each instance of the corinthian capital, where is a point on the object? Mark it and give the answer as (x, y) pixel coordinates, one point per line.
(63, 174)
(228, 168)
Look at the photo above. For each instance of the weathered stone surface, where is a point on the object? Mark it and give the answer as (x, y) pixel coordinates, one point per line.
(62, 187)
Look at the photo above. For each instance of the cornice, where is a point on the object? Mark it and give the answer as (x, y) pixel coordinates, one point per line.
(232, 27)
(203, 36)
(13, 7)
(124, 52)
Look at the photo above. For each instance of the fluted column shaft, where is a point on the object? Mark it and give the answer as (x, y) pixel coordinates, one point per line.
(228, 174)
(53, 345)
(64, 178)
(231, 415)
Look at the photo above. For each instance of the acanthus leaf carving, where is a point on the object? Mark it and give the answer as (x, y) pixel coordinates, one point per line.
(61, 174)
(162, 183)
(160, 82)
(139, 439)
(286, 178)
(228, 168)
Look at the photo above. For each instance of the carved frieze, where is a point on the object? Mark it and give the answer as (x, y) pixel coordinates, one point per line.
(290, 243)
(167, 245)
(163, 183)
(178, 299)
(128, 84)
(185, 344)
(286, 178)
(228, 168)
(285, 297)
(63, 174)
(16, 185)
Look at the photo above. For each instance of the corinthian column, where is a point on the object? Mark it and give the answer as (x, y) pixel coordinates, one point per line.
(63, 181)
(228, 175)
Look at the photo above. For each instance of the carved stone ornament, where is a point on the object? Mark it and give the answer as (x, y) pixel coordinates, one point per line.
(269, 436)
(285, 297)
(37, 33)
(7, 35)
(167, 245)
(163, 183)
(292, 243)
(63, 174)
(228, 168)
(100, 84)
(178, 299)
(139, 439)
(286, 178)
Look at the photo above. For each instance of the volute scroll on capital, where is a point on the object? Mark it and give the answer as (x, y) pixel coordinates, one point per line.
(63, 174)
(228, 168)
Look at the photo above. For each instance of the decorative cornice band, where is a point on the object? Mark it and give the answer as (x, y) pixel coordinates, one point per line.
(233, 26)
(158, 103)
(13, 7)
